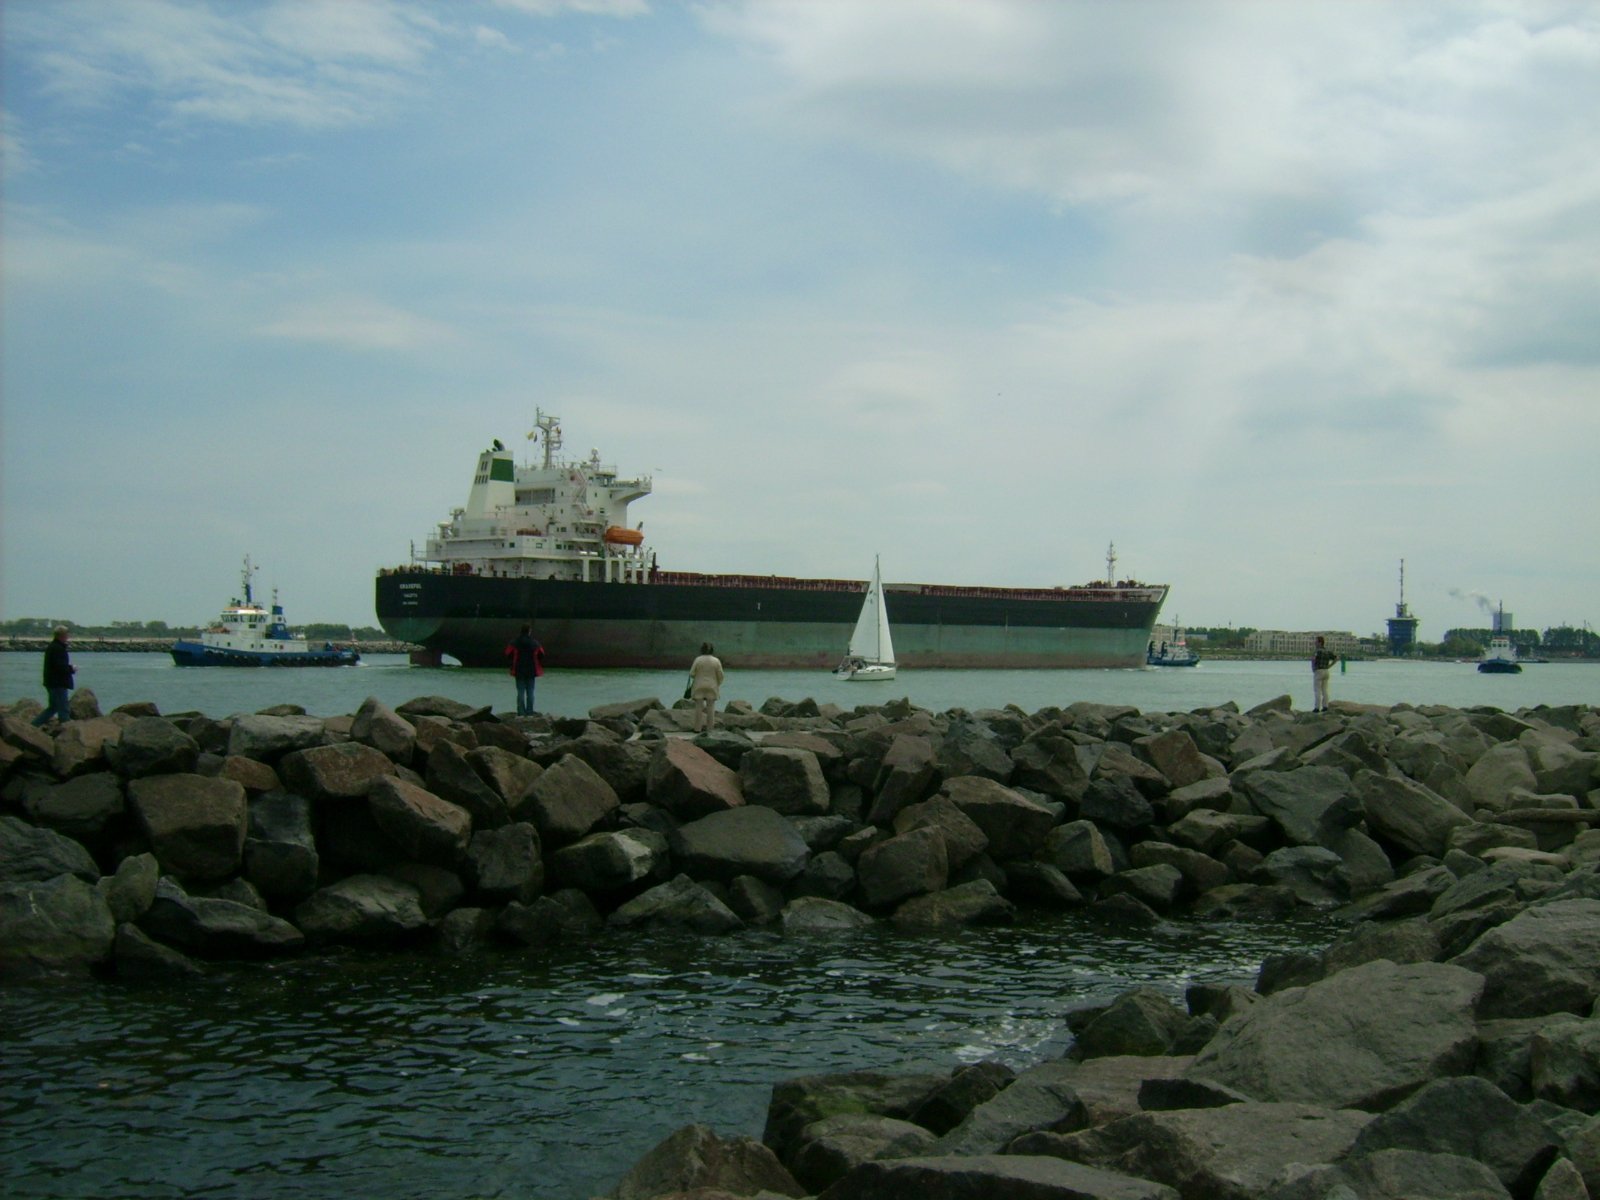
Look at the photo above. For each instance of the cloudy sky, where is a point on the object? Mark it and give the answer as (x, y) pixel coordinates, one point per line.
(1271, 295)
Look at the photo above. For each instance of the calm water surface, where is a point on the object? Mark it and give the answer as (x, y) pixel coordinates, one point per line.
(541, 1076)
(219, 691)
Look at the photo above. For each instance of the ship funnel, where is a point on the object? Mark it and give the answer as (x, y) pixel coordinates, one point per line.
(494, 485)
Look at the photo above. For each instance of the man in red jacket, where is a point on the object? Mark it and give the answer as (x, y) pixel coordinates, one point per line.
(526, 656)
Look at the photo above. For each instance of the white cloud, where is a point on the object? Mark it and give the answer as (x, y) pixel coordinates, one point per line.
(358, 323)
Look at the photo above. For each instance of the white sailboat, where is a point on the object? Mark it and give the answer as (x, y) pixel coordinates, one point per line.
(871, 653)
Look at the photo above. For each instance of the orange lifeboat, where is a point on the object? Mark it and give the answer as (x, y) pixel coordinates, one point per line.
(616, 535)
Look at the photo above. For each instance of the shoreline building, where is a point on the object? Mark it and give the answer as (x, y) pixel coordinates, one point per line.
(1288, 643)
(1402, 626)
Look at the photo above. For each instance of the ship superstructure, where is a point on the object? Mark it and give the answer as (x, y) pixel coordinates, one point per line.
(556, 520)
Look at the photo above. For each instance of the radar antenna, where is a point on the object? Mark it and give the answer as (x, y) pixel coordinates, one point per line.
(551, 428)
(1111, 562)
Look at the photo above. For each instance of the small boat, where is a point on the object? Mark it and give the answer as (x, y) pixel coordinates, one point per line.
(1175, 653)
(871, 652)
(1500, 658)
(248, 635)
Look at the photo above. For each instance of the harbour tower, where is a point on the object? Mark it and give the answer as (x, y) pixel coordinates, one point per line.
(1402, 626)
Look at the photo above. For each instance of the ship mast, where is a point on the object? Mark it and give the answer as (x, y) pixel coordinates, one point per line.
(551, 428)
(1111, 563)
(248, 572)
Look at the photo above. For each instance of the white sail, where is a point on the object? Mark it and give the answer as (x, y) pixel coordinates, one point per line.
(871, 653)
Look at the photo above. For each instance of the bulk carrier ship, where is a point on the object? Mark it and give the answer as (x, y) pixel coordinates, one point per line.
(550, 544)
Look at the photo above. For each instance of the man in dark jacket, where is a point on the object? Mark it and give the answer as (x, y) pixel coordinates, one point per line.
(58, 672)
(1322, 661)
(527, 664)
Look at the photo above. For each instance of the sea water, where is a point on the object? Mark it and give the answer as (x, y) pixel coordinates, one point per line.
(548, 1074)
(123, 678)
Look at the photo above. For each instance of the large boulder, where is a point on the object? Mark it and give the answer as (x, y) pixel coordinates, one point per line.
(1235, 1150)
(742, 841)
(1176, 756)
(195, 825)
(689, 783)
(1472, 1118)
(1391, 1175)
(904, 776)
(976, 902)
(909, 864)
(425, 827)
(991, 1177)
(1364, 1038)
(1544, 960)
(452, 777)
(377, 725)
(695, 1160)
(1048, 763)
(1297, 800)
(1014, 824)
(368, 909)
(570, 800)
(54, 924)
(678, 902)
(963, 840)
(506, 864)
(509, 775)
(609, 862)
(80, 747)
(339, 773)
(151, 746)
(214, 928)
(268, 738)
(1408, 815)
(1499, 772)
(785, 780)
(29, 854)
(831, 1147)
(280, 850)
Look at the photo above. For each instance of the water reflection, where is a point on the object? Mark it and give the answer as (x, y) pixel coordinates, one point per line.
(366, 1076)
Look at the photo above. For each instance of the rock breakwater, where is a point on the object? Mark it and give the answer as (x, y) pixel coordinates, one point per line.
(1448, 1045)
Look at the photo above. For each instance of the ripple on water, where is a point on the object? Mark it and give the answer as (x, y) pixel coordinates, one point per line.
(473, 1078)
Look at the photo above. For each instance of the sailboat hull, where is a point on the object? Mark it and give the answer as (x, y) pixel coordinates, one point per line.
(867, 674)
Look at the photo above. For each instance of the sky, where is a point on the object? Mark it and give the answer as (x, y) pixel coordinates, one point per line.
(1272, 296)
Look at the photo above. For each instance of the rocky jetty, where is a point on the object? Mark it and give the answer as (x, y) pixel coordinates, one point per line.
(1447, 1045)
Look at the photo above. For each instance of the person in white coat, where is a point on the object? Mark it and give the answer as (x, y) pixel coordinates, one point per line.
(705, 685)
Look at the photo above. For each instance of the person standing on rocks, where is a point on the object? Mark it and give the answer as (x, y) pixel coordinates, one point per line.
(527, 664)
(705, 685)
(1322, 661)
(58, 673)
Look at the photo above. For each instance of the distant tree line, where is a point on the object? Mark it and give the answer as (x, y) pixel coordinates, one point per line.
(1559, 641)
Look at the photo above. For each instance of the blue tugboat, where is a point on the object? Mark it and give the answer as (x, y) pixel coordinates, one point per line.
(1175, 653)
(248, 635)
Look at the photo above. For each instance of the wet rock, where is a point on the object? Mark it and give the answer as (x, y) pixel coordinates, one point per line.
(280, 850)
(151, 746)
(742, 841)
(88, 808)
(611, 862)
(361, 909)
(694, 1157)
(570, 800)
(505, 864)
(909, 864)
(991, 1177)
(195, 826)
(807, 915)
(450, 775)
(976, 902)
(690, 784)
(268, 739)
(1014, 824)
(216, 928)
(1544, 960)
(788, 781)
(340, 773)
(830, 1148)
(423, 826)
(1234, 1150)
(678, 902)
(1364, 1038)
(49, 925)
